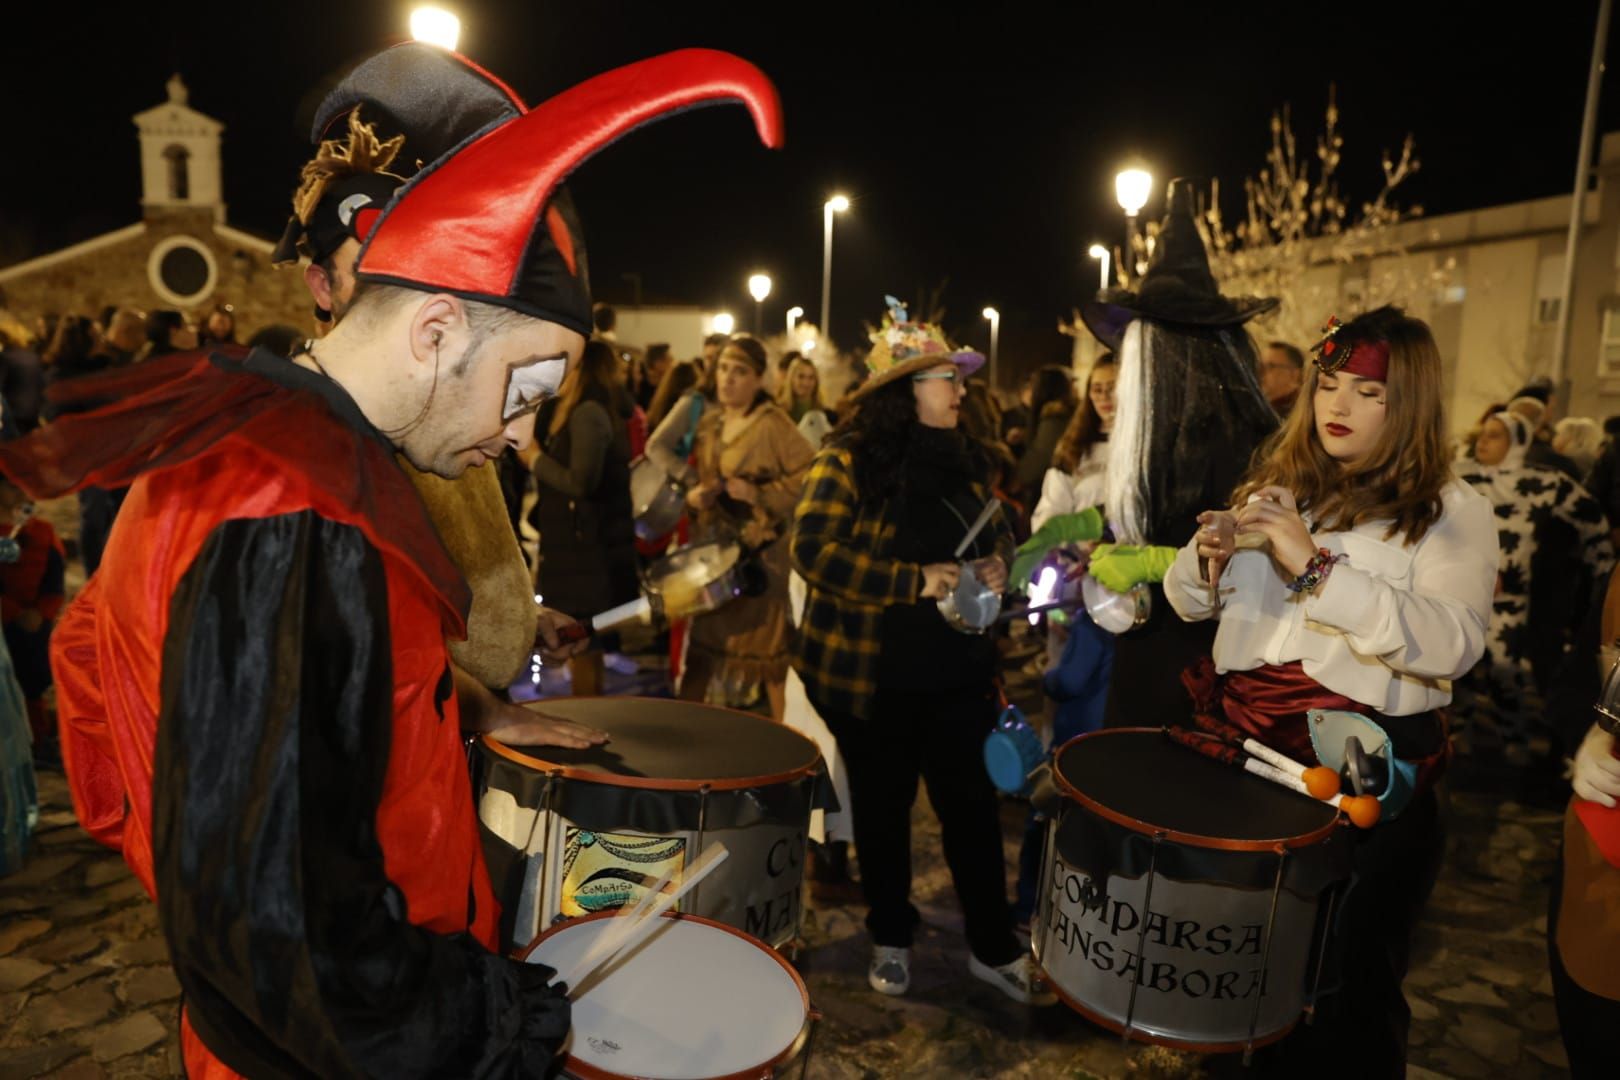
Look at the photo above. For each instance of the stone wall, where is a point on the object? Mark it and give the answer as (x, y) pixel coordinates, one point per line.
(116, 274)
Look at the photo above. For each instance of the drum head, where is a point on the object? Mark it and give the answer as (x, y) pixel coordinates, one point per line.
(697, 1000)
(672, 745)
(647, 480)
(1137, 777)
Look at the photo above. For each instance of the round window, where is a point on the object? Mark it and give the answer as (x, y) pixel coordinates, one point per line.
(182, 271)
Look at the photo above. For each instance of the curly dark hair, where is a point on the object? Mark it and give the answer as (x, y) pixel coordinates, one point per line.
(876, 432)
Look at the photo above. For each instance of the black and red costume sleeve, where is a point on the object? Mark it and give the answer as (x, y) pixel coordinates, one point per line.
(292, 946)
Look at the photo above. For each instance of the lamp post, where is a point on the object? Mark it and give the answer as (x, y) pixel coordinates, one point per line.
(1132, 188)
(1101, 253)
(835, 205)
(759, 287)
(794, 314)
(436, 26)
(995, 337)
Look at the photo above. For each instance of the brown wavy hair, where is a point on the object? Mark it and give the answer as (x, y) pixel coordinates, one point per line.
(1408, 467)
(1085, 426)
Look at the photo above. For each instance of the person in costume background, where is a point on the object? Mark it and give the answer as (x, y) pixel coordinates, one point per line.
(1372, 594)
(1526, 499)
(273, 734)
(750, 464)
(907, 696)
(1190, 415)
(32, 592)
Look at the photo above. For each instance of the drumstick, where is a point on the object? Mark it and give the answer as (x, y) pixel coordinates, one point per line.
(1256, 767)
(642, 925)
(1272, 757)
(978, 526)
(620, 928)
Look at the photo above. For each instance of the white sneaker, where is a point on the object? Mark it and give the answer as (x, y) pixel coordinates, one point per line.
(1016, 979)
(890, 970)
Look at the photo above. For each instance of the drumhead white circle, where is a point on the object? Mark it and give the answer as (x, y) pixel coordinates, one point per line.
(693, 1002)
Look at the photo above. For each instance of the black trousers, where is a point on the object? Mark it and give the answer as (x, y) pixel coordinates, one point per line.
(938, 736)
(1361, 1031)
(1587, 1021)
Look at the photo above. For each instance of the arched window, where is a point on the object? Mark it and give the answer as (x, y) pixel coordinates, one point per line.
(179, 159)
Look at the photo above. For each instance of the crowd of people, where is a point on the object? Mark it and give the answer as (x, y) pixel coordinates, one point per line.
(348, 510)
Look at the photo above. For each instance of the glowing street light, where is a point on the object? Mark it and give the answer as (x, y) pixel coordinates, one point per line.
(1099, 252)
(759, 287)
(995, 334)
(794, 314)
(835, 205)
(1132, 188)
(436, 26)
(723, 323)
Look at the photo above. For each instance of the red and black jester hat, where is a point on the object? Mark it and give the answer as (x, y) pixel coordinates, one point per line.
(486, 217)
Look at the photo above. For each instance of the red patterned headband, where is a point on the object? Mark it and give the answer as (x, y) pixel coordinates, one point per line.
(1368, 359)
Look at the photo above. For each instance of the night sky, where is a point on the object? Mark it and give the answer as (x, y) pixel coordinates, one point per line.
(978, 147)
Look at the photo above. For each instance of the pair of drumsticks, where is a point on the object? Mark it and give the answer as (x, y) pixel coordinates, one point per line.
(630, 929)
(1318, 781)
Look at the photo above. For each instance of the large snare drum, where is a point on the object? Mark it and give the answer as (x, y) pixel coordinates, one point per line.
(697, 1001)
(1182, 900)
(576, 832)
(657, 499)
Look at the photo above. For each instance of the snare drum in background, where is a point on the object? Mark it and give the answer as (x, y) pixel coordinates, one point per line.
(697, 1001)
(577, 832)
(657, 499)
(1183, 901)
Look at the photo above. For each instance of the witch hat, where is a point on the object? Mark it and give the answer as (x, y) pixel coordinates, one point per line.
(487, 217)
(1178, 287)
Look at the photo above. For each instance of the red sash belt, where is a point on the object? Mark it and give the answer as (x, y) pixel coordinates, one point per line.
(1269, 703)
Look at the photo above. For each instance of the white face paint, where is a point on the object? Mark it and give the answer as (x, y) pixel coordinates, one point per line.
(529, 384)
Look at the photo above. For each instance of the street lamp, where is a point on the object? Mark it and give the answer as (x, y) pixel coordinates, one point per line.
(759, 287)
(835, 205)
(795, 313)
(995, 335)
(1099, 252)
(723, 323)
(1131, 188)
(436, 26)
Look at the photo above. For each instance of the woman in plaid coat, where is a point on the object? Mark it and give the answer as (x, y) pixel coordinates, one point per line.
(906, 696)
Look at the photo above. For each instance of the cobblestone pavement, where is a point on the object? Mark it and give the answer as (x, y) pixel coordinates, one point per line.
(86, 992)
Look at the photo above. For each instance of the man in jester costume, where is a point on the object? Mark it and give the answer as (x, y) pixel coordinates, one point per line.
(257, 702)
(1191, 414)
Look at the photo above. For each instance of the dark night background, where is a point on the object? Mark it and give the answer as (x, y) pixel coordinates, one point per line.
(978, 143)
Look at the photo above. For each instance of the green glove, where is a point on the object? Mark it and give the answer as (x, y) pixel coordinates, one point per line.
(1118, 567)
(1063, 529)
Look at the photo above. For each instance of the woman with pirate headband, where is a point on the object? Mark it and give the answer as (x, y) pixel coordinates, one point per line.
(1371, 593)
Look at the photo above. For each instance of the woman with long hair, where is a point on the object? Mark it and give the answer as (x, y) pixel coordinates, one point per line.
(1078, 474)
(888, 500)
(679, 378)
(1372, 594)
(587, 536)
(800, 396)
(750, 465)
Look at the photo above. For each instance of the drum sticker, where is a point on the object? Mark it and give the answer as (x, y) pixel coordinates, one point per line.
(774, 917)
(603, 1046)
(606, 871)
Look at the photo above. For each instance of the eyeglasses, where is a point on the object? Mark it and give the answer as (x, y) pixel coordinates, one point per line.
(954, 376)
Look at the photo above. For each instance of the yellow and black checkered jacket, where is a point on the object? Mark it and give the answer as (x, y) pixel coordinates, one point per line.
(841, 547)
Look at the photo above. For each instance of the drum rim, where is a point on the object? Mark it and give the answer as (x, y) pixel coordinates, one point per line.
(1141, 1036)
(1218, 843)
(587, 1071)
(735, 783)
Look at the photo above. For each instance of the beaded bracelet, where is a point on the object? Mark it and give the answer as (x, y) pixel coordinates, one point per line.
(1316, 571)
